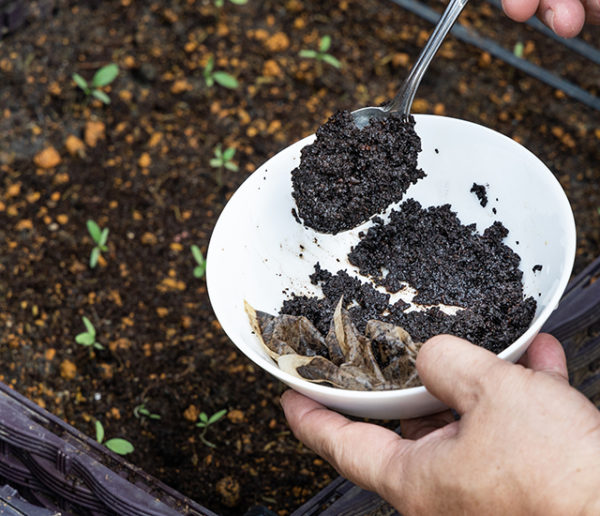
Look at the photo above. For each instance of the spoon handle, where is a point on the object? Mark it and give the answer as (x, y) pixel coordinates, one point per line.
(404, 98)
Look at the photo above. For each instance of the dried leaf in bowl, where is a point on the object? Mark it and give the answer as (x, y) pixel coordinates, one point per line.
(382, 358)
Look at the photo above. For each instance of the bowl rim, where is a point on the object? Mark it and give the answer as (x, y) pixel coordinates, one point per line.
(512, 352)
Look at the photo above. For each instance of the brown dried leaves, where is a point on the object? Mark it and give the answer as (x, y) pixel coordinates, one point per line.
(381, 359)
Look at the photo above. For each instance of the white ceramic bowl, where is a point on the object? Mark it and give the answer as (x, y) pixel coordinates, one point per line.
(259, 253)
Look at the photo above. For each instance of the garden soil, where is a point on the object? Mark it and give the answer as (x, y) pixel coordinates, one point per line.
(140, 167)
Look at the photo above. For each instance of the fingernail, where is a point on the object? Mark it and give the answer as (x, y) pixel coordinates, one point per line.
(548, 18)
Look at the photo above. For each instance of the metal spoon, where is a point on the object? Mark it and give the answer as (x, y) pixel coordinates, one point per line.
(403, 100)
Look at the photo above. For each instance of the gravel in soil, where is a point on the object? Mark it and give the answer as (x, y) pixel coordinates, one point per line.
(140, 166)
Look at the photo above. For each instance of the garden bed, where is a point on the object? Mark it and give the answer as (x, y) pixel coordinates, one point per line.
(140, 166)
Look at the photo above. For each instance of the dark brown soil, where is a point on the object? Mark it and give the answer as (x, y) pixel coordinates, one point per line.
(140, 167)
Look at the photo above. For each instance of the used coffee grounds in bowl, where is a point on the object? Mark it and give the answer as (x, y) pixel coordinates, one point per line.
(419, 273)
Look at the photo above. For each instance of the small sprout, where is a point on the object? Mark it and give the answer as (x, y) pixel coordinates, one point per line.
(120, 446)
(200, 267)
(88, 338)
(221, 3)
(99, 236)
(103, 77)
(220, 77)
(223, 160)
(518, 49)
(321, 55)
(142, 411)
(205, 422)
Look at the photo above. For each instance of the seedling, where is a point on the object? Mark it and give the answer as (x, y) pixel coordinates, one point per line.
(118, 445)
(223, 78)
(88, 338)
(142, 411)
(221, 3)
(99, 236)
(103, 77)
(518, 49)
(223, 160)
(321, 54)
(205, 422)
(200, 267)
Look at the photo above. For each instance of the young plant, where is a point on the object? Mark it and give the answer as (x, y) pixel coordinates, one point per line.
(120, 446)
(200, 267)
(103, 77)
(205, 422)
(518, 49)
(99, 236)
(223, 160)
(223, 78)
(221, 3)
(88, 338)
(142, 411)
(321, 54)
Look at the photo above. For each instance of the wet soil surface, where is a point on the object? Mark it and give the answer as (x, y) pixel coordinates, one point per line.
(140, 167)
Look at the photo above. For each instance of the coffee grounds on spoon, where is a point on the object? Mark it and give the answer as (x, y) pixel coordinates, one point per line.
(347, 174)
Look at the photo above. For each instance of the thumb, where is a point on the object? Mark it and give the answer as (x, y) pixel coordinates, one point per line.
(456, 371)
(360, 452)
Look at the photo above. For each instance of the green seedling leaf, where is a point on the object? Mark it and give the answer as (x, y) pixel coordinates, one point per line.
(99, 432)
(216, 162)
(103, 238)
(518, 49)
(94, 230)
(218, 151)
(105, 75)
(81, 82)
(310, 54)
(228, 154)
(225, 80)
(219, 3)
(197, 254)
(120, 446)
(203, 417)
(325, 43)
(101, 96)
(199, 257)
(239, 2)
(210, 64)
(216, 416)
(85, 339)
(94, 256)
(328, 58)
(99, 346)
(231, 166)
(154, 416)
(89, 326)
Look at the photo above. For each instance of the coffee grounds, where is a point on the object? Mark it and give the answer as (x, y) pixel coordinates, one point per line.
(446, 262)
(347, 174)
(481, 193)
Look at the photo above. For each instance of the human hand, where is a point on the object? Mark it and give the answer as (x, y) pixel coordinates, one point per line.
(565, 17)
(526, 443)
